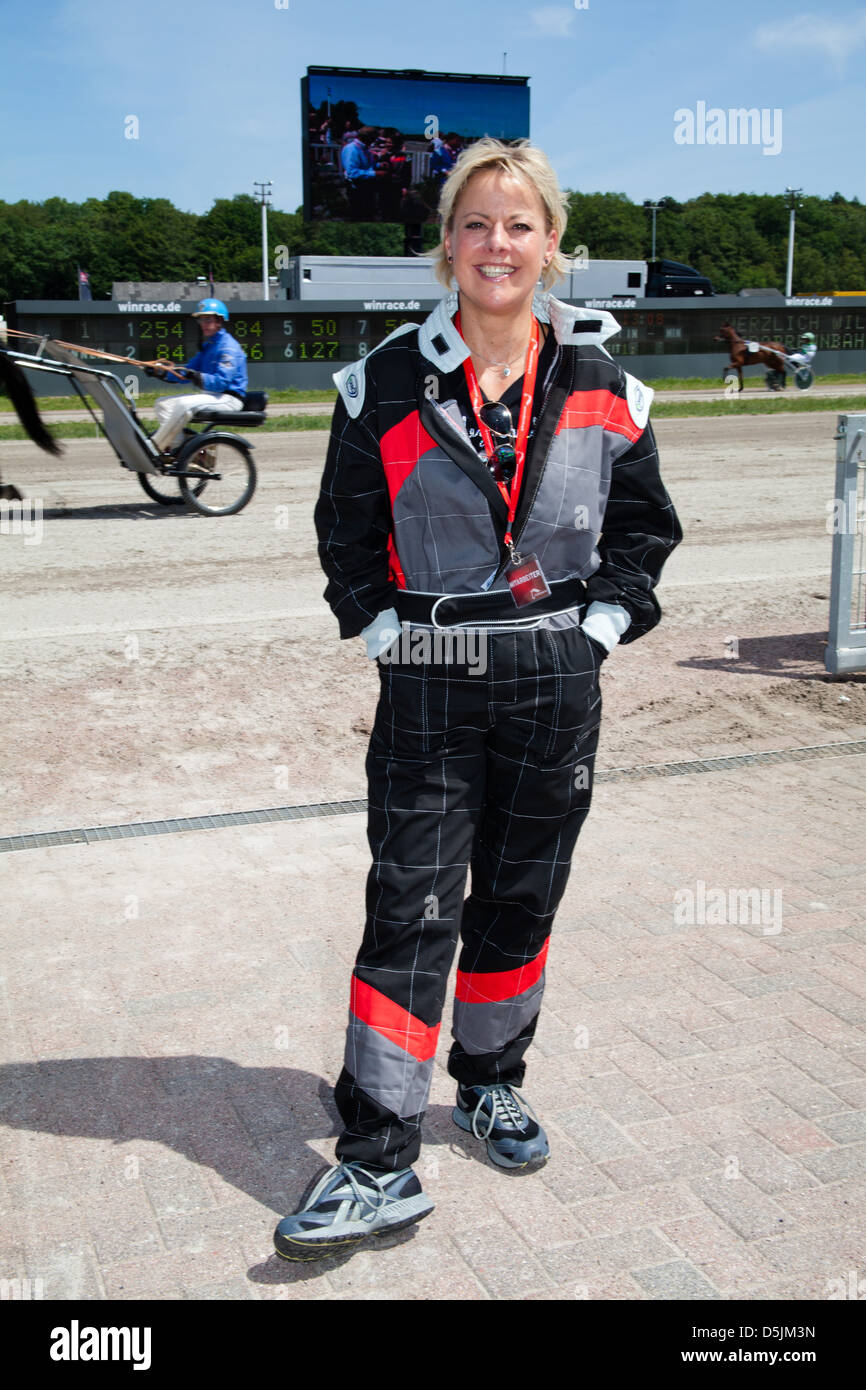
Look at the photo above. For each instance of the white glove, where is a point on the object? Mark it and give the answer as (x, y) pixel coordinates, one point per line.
(381, 632)
(605, 623)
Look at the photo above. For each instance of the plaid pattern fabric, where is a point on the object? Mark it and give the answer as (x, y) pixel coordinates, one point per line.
(489, 772)
(477, 768)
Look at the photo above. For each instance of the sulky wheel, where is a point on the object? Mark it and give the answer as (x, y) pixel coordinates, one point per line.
(803, 378)
(160, 489)
(227, 478)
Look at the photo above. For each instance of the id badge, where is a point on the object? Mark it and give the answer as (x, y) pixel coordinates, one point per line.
(526, 580)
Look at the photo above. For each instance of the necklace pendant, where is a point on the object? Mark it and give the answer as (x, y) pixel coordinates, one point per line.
(506, 371)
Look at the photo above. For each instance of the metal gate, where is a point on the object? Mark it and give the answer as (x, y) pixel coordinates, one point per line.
(846, 648)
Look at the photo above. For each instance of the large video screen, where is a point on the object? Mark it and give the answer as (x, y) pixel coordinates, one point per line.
(378, 145)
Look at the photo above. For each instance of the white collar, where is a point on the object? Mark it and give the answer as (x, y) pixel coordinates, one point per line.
(442, 345)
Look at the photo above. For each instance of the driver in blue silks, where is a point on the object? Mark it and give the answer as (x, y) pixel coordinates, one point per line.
(218, 369)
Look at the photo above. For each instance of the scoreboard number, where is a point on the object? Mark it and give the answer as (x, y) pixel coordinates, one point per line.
(336, 334)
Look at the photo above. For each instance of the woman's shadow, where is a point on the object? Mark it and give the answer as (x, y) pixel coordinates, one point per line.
(249, 1124)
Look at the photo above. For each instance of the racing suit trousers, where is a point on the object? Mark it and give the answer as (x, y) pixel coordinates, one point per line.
(175, 412)
(468, 768)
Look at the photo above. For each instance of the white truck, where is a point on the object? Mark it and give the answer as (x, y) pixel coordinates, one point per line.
(402, 282)
(590, 279)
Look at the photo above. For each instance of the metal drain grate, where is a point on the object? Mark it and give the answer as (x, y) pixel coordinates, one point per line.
(314, 810)
(783, 755)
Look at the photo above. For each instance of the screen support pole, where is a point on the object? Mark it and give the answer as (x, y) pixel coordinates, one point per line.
(412, 239)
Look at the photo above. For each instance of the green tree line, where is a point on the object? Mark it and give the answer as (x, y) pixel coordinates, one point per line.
(737, 240)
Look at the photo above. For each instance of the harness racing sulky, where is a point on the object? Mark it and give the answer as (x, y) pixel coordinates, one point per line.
(211, 470)
(776, 357)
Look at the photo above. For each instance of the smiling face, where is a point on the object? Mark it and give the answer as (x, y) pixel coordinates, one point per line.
(499, 242)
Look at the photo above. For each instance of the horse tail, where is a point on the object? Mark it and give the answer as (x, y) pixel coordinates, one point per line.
(17, 387)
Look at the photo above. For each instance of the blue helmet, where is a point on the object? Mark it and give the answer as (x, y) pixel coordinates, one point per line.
(211, 306)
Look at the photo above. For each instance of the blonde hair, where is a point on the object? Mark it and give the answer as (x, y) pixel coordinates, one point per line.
(521, 160)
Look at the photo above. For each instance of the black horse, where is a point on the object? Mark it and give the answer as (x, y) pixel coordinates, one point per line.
(17, 388)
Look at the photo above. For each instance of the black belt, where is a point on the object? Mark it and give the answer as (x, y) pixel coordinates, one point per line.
(238, 395)
(466, 610)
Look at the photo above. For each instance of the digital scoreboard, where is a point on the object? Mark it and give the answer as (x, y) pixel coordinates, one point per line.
(335, 335)
(675, 330)
(302, 343)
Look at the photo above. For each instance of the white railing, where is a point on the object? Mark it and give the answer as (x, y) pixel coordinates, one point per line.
(846, 647)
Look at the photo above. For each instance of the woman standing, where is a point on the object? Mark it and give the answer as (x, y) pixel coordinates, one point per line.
(491, 483)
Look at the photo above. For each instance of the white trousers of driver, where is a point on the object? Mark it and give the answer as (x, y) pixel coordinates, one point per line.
(174, 412)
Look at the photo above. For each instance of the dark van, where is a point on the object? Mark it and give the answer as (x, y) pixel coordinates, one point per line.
(671, 278)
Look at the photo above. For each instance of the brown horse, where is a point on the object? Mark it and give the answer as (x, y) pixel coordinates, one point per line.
(771, 354)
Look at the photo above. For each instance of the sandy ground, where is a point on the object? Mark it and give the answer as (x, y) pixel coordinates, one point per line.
(159, 663)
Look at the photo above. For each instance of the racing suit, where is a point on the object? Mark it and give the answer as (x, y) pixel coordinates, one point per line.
(222, 367)
(482, 751)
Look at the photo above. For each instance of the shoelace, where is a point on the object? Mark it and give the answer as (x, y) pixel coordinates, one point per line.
(504, 1107)
(366, 1200)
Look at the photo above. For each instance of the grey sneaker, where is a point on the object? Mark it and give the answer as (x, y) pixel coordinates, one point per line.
(348, 1204)
(506, 1122)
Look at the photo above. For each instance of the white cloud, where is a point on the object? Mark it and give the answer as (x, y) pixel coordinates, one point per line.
(811, 33)
(552, 21)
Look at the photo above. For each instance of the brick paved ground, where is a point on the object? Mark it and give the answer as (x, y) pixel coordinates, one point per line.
(174, 1007)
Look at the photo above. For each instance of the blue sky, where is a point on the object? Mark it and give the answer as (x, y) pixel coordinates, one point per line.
(214, 85)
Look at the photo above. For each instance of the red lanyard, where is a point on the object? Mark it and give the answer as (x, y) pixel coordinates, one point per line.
(529, 373)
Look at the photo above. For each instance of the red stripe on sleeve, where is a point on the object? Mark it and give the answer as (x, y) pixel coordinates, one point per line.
(585, 408)
(392, 1021)
(497, 985)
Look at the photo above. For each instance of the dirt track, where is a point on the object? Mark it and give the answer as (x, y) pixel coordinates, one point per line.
(159, 663)
(754, 390)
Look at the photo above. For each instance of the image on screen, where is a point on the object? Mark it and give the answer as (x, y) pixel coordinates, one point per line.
(379, 145)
